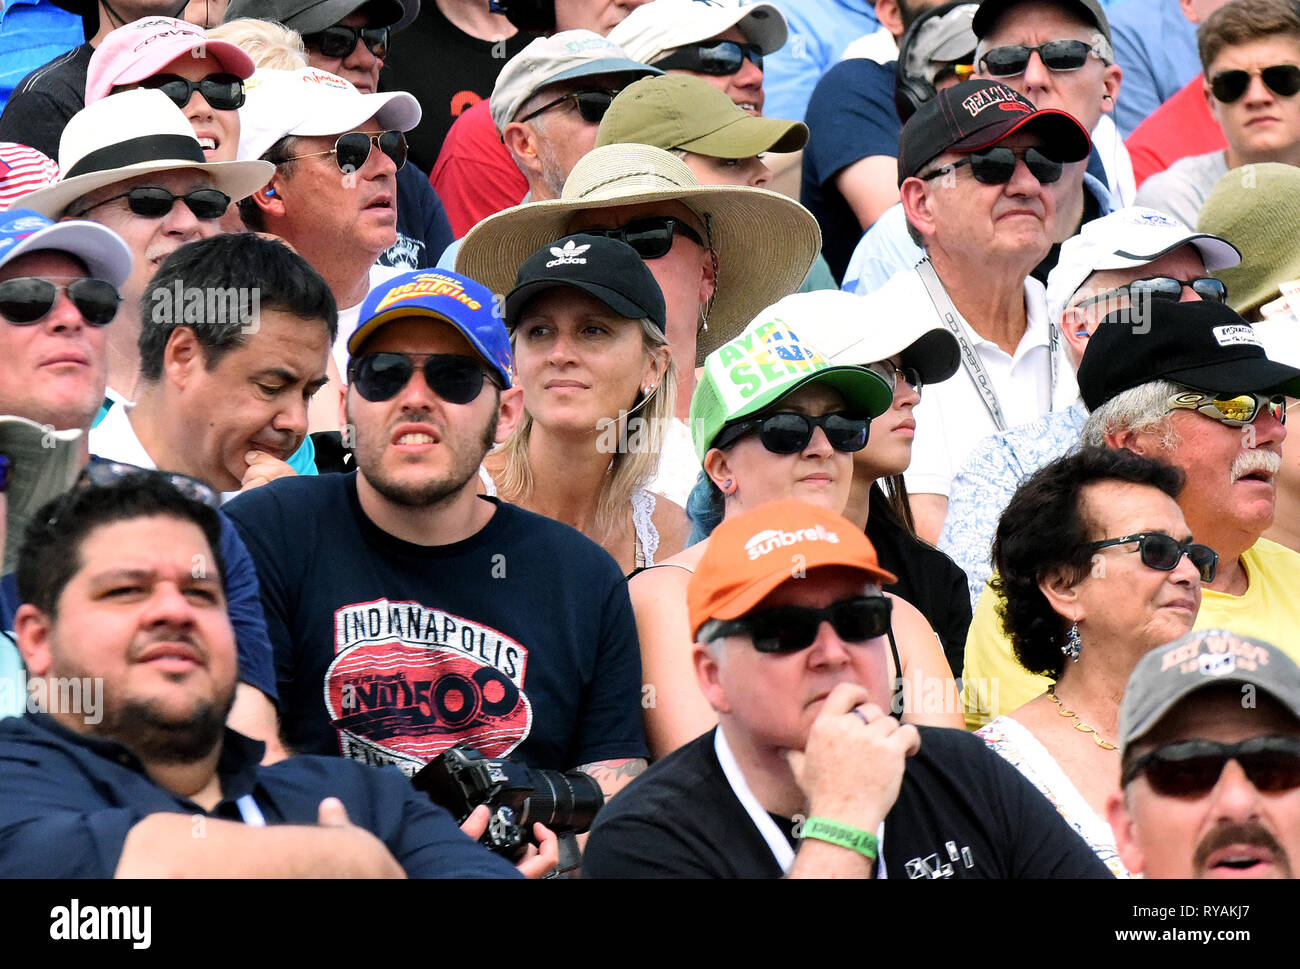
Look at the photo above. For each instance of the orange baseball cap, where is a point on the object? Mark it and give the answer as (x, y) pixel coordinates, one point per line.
(750, 555)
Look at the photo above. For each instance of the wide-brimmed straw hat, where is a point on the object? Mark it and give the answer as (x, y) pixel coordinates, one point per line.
(765, 242)
(129, 134)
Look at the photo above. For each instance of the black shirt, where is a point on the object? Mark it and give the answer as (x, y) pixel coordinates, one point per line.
(962, 812)
(45, 100)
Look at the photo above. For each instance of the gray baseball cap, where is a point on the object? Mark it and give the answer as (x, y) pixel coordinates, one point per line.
(1203, 658)
(310, 16)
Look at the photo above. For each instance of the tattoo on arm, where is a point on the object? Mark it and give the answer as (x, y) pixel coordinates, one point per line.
(614, 775)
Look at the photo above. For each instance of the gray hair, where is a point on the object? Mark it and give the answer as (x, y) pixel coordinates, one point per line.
(1143, 410)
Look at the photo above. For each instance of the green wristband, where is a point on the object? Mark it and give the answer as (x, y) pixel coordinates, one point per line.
(823, 829)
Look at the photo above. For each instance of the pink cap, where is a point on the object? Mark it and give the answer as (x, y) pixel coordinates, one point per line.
(142, 48)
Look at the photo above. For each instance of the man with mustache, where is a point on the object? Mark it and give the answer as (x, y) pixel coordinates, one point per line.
(1210, 754)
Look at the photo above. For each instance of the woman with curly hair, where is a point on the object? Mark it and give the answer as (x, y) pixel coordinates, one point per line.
(1097, 568)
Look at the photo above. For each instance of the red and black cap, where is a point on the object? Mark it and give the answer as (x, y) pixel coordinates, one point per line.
(978, 114)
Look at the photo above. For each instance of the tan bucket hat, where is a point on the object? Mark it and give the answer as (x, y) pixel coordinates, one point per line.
(765, 242)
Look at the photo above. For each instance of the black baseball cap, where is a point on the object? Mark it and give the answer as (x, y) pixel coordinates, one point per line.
(986, 17)
(974, 115)
(1201, 345)
(609, 270)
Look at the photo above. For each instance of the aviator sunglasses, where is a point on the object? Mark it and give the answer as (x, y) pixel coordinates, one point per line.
(352, 150)
(27, 299)
(651, 237)
(153, 202)
(1237, 411)
(340, 41)
(1229, 86)
(789, 629)
(1163, 552)
(995, 166)
(592, 105)
(1208, 288)
(223, 92)
(789, 433)
(717, 57)
(380, 376)
(1191, 768)
(1056, 55)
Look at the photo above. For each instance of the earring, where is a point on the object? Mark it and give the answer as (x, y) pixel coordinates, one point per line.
(729, 487)
(1072, 643)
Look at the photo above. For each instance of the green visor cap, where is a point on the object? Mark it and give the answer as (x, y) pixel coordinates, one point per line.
(761, 367)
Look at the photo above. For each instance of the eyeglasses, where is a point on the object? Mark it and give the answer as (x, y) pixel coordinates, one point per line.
(379, 376)
(27, 299)
(1208, 288)
(789, 433)
(890, 373)
(716, 57)
(790, 629)
(1235, 411)
(1056, 55)
(651, 237)
(592, 105)
(223, 92)
(153, 202)
(352, 150)
(995, 166)
(1163, 552)
(1191, 768)
(1229, 86)
(340, 41)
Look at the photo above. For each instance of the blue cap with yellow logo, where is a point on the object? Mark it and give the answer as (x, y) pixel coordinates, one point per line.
(439, 294)
(765, 364)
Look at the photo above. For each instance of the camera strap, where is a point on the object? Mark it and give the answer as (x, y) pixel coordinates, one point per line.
(776, 841)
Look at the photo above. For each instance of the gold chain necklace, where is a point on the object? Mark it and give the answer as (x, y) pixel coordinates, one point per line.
(1078, 724)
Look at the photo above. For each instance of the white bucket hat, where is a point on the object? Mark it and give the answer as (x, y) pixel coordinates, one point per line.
(130, 134)
(765, 242)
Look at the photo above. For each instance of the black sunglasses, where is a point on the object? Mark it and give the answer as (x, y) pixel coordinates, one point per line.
(27, 299)
(995, 166)
(789, 629)
(651, 237)
(789, 433)
(1228, 86)
(1056, 55)
(1163, 552)
(153, 202)
(352, 150)
(890, 374)
(223, 92)
(1191, 768)
(592, 105)
(1210, 290)
(380, 376)
(339, 41)
(716, 57)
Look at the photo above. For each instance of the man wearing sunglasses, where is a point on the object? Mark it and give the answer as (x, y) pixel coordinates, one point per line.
(1123, 261)
(1251, 53)
(1210, 761)
(1191, 386)
(807, 773)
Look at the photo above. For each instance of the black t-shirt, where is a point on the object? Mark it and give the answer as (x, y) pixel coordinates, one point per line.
(423, 230)
(45, 100)
(519, 640)
(447, 71)
(962, 812)
(851, 116)
(927, 578)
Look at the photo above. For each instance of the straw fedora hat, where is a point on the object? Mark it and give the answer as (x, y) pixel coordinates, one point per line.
(765, 242)
(130, 134)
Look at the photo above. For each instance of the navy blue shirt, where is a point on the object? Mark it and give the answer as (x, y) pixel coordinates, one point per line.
(423, 230)
(68, 801)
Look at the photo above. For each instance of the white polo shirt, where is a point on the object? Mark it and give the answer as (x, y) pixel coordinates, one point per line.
(952, 417)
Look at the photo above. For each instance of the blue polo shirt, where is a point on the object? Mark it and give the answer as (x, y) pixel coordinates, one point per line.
(68, 801)
(32, 33)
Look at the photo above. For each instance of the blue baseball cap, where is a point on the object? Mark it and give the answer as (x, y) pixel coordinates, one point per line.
(440, 295)
(105, 254)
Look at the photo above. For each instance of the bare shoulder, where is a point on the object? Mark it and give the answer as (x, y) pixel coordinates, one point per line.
(673, 526)
(668, 577)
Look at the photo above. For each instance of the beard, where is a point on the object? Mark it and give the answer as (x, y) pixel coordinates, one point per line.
(157, 737)
(427, 492)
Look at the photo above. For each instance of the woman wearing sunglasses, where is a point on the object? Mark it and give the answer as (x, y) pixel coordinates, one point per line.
(586, 322)
(771, 418)
(1097, 568)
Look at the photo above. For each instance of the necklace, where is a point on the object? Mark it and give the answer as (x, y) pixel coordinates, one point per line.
(1078, 724)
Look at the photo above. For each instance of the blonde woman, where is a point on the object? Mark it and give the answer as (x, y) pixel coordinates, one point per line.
(586, 321)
